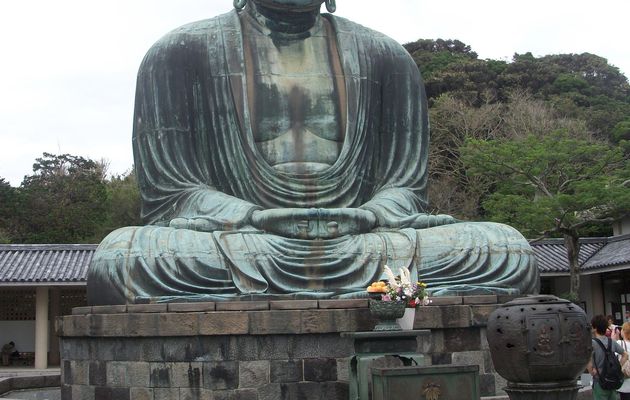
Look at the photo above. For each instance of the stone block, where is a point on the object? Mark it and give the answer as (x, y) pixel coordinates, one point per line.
(318, 321)
(82, 310)
(73, 348)
(242, 305)
(483, 333)
(283, 371)
(238, 394)
(191, 307)
(433, 343)
(97, 373)
(441, 358)
(109, 393)
(116, 309)
(274, 322)
(455, 317)
(146, 308)
(343, 369)
(173, 324)
(355, 320)
(213, 348)
(142, 324)
(161, 375)
(301, 390)
(428, 318)
(119, 374)
(141, 393)
(314, 391)
(457, 340)
(253, 374)
(166, 394)
(223, 323)
(481, 299)
(487, 384)
(73, 325)
(66, 390)
(314, 346)
(271, 391)
(82, 392)
(446, 300)
(195, 394)
(320, 369)
(480, 314)
(187, 374)
(343, 303)
(470, 358)
(292, 304)
(220, 375)
(108, 324)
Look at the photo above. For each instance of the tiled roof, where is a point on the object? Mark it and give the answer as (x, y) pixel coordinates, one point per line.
(616, 252)
(595, 254)
(44, 263)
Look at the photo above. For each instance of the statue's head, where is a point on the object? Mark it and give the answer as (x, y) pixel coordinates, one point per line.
(294, 5)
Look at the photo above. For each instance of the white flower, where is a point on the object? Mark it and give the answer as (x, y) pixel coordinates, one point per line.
(405, 277)
(390, 277)
(426, 301)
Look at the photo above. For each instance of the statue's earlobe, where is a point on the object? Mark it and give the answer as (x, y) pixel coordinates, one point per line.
(239, 4)
(331, 6)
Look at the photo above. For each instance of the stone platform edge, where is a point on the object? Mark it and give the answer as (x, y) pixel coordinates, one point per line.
(264, 317)
(12, 383)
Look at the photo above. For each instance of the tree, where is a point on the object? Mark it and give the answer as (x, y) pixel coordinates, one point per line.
(8, 210)
(123, 206)
(63, 201)
(556, 184)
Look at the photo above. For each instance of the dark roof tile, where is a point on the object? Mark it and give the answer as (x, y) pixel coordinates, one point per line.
(45, 263)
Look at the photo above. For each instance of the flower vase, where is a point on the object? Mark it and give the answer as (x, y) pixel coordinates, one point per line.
(387, 312)
(406, 321)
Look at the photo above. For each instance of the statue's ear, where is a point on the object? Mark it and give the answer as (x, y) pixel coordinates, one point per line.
(240, 4)
(331, 6)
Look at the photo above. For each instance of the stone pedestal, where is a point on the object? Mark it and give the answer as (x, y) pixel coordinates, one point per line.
(249, 350)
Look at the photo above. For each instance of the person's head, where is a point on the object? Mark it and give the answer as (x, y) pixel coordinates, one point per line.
(625, 330)
(610, 319)
(600, 324)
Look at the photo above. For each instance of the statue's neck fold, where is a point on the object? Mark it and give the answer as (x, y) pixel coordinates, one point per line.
(284, 22)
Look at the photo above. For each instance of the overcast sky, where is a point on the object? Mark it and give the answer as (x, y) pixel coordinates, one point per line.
(67, 67)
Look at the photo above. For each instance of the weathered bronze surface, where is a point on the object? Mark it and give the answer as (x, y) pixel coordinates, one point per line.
(281, 152)
(540, 344)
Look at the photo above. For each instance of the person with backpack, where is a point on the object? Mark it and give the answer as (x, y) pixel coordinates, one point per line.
(604, 366)
(624, 390)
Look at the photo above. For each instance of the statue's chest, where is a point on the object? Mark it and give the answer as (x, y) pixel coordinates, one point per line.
(292, 87)
(294, 103)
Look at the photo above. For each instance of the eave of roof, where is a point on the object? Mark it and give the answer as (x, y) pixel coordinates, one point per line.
(44, 264)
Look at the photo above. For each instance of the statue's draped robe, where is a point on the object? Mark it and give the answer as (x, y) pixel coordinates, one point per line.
(196, 158)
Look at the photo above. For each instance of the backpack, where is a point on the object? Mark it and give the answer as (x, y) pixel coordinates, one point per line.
(610, 377)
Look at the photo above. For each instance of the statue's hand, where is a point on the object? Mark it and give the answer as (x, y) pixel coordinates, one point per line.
(314, 223)
(419, 221)
(196, 224)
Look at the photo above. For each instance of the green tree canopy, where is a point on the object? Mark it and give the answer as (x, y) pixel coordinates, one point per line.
(556, 184)
(63, 201)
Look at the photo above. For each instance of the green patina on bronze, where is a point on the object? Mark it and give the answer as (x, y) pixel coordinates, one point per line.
(281, 152)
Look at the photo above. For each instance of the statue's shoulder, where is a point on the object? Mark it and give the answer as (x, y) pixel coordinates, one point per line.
(193, 41)
(206, 31)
